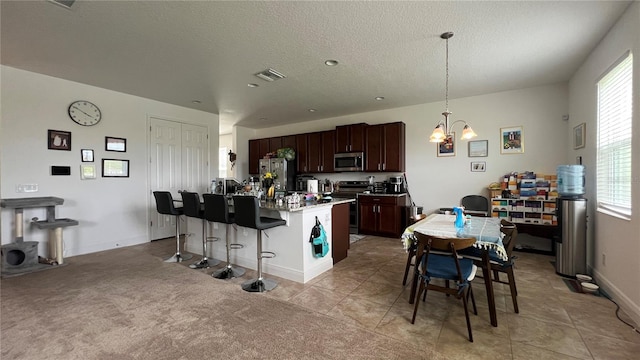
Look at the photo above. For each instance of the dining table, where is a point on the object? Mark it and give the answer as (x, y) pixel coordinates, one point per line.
(488, 245)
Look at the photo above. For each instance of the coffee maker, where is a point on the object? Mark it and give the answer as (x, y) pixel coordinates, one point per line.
(395, 185)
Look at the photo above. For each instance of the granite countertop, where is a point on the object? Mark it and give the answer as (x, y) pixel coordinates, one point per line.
(303, 204)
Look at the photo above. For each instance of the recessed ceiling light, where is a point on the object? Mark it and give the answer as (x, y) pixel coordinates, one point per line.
(252, 85)
(379, 98)
(312, 110)
(196, 101)
(331, 62)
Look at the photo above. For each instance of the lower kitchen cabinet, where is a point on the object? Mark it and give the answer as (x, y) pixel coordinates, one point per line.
(380, 215)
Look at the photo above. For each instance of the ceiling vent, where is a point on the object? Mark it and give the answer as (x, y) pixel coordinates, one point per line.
(270, 75)
(64, 3)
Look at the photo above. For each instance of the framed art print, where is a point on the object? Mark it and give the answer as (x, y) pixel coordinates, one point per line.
(59, 140)
(115, 168)
(478, 166)
(579, 133)
(447, 147)
(479, 148)
(512, 140)
(87, 155)
(115, 144)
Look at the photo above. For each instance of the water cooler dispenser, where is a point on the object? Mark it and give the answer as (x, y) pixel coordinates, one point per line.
(571, 208)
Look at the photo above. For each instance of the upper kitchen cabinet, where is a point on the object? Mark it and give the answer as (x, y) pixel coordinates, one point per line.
(289, 141)
(385, 147)
(275, 143)
(350, 138)
(321, 147)
(254, 156)
(302, 153)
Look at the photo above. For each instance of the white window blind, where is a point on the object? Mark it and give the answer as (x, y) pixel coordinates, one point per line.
(222, 162)
(615, 95)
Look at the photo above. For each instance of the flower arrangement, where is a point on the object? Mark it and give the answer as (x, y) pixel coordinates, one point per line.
(270, 175)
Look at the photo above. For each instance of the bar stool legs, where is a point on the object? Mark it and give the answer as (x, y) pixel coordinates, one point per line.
(178, 257)
(260, 284)
(229, 272)
(205, 262)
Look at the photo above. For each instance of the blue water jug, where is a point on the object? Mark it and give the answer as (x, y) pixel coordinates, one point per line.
(459, 217)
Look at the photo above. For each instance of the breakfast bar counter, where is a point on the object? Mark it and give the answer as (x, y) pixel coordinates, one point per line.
(294, 258)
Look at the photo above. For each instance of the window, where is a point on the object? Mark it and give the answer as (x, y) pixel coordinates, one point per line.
(613, 176)
(222, 162)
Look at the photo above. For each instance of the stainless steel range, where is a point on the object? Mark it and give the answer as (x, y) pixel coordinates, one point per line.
(350, 190)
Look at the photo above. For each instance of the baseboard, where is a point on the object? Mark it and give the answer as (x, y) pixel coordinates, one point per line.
(631, 309)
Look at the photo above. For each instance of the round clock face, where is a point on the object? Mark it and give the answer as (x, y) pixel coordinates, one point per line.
(84, 113)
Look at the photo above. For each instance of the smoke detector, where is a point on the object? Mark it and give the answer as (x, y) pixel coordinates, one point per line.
(270, 75)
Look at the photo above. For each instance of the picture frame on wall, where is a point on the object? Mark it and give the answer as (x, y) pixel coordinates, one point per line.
(115, 144)
(59, 140)
(579, 133)
(512, 140)
(448, 146)
(115, 168)
(479, 148)
(87, 172)
(478, 166)
(86, 155)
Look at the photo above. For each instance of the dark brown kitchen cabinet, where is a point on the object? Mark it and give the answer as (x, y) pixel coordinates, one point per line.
(339, 232)
(380, 215)
(302, 153)
(350, 138)
(254, 156)
(385, 147)
(275, 143)
(265, 146)
(289, 141)
(321, 147)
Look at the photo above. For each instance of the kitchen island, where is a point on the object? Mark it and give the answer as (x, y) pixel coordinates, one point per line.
(294, 256)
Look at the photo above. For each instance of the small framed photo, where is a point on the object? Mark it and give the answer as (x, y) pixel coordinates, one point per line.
(87, 155)
(512, 140)
(478, 166)
(579, 133)
(59, 140)
(479, 148)
(447, 147)
(115, 168)
(87, 172)
(115, 144)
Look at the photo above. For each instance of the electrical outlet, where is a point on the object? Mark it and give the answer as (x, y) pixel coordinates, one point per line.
(215, 226)
(604, 258)
(244, 232)
(19, 188)
(30, 187)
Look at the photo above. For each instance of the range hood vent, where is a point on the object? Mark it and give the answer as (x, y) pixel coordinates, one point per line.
(270, 75)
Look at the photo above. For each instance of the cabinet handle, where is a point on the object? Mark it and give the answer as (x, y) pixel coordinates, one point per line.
(384, 166)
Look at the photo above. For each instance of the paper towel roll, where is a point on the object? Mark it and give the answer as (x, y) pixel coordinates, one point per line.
(312, 186)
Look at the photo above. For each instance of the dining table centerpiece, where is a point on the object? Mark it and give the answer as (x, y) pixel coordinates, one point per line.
(268, 185)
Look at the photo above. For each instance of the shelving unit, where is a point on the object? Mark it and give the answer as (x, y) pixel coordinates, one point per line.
(541, 212)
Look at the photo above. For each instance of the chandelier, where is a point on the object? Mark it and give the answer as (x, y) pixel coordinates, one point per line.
(443, 129)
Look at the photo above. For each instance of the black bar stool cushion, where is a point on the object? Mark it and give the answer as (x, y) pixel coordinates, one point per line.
(164, 204)
(191, 205)
(247, 214)
(216, 209)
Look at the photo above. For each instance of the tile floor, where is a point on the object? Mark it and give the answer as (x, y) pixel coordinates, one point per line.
(554, 323)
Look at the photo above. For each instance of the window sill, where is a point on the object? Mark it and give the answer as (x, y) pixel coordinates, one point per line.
(615, 214)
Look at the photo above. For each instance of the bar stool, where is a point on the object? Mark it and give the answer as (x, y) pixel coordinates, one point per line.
(247, 214)
(164, 205)
(216, 209)
(192, 208)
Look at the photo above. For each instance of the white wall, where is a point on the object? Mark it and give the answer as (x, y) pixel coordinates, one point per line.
(436, 182)
(616, 239)
(112, 211)
(226, 141)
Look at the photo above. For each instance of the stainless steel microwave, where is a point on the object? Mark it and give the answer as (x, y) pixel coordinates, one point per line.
(348, 161)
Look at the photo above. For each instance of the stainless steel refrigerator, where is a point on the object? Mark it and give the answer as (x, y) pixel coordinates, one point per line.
(285, 171)
(571, 244)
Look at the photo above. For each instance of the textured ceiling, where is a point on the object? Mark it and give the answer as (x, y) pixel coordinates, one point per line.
(179, 51)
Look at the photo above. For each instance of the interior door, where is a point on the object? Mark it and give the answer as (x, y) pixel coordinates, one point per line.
(178, 161)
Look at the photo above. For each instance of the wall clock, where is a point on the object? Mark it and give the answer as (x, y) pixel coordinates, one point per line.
(84, 113)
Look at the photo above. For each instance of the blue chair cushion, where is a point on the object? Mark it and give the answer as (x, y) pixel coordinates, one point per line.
(443, 267)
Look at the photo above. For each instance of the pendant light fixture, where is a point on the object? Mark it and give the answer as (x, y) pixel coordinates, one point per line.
(443, 129)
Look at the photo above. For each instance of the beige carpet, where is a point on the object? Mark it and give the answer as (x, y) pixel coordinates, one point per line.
(128, 304)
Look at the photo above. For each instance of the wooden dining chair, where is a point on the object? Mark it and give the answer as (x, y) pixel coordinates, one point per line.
(440, 260)
(510, 231)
